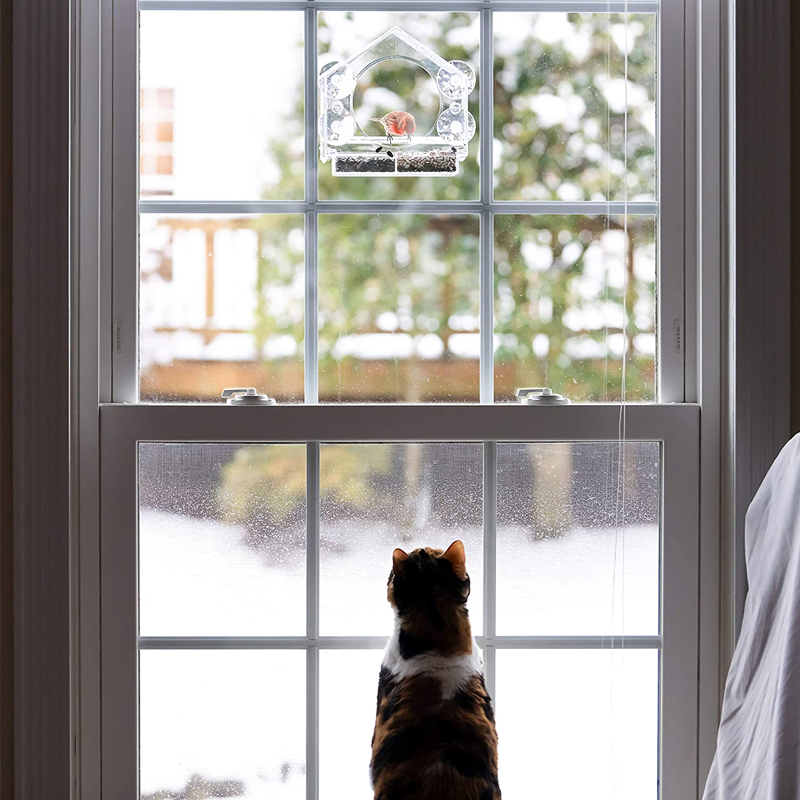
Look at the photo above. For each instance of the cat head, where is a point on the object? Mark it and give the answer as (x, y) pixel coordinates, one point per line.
(428, 577)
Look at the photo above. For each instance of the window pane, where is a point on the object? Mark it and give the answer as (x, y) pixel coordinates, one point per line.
(399, 308)
(222, 533)
(401, 85)
(348, 688)
(578, 539)
(560, 106)
(348, 682)
(560, 304)
(222, 723)
(574, 724)
(221, 305)
(375, 497)
(221, 114)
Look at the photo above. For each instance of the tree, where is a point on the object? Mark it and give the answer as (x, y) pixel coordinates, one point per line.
(558, 278)
(559, 124)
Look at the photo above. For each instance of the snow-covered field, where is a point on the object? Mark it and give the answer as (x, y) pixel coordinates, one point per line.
(564, 716)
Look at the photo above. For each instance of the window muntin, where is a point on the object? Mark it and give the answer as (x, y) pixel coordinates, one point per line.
(222, 723)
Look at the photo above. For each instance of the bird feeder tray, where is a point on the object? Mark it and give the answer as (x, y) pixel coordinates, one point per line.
(405, 162)
(437, 152)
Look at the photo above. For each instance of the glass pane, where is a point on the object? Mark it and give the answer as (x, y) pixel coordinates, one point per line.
(578, 539)
(400, 84)
(574, 724)
(222, 536)
(348, 688)
(375, 497)
(222, 723)
(221, 105)
(560, 99)
(348, 684)
(399, 308)
(221, 304)
(560, 304)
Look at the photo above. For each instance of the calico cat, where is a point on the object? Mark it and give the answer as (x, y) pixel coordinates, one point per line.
(435, 736)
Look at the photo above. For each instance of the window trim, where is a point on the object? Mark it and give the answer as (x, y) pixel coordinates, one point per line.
(124, 426)
(36, 398)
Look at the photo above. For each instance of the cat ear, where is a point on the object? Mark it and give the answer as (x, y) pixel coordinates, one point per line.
(399, 557)
(457, 556)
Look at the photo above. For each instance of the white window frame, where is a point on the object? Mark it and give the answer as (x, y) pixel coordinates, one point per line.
(669, 208)
(125, 426)
(676, 426)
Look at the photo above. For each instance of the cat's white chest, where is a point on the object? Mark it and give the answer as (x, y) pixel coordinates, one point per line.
(454, 672)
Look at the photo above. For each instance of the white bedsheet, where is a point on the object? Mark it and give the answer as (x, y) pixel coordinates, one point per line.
(758, 746)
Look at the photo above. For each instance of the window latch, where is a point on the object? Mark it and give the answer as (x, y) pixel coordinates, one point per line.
(246, 397)
(540, 396)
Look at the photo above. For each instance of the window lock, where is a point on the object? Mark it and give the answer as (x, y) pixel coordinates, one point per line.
(247, 397)
(540, 396)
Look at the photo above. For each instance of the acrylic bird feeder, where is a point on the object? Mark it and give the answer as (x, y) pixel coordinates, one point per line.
(435, 151)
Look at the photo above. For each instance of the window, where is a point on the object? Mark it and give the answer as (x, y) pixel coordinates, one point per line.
(392, 317)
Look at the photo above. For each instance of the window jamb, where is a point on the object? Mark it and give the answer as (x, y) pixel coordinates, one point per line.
(674, 117)
(124, 202)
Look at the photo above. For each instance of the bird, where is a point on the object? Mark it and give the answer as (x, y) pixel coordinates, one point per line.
(397, 123)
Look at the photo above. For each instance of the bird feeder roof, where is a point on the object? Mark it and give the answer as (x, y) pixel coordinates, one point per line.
(395, 43)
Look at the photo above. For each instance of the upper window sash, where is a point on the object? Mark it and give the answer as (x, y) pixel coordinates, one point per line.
(674, 116)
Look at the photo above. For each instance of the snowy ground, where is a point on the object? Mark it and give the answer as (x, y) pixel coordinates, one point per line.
(564, 717)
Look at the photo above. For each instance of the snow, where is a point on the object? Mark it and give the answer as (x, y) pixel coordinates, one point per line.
(564, 716)
(197, 577)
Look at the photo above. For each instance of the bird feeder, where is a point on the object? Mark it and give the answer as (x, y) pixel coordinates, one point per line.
(435, 151)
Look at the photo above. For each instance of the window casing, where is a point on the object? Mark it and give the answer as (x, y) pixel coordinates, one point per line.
(126, 424)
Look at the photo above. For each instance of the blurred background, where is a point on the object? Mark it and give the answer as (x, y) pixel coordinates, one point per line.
(222, 527)
(222, 296)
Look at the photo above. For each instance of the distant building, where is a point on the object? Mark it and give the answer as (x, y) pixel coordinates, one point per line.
(157, 141)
